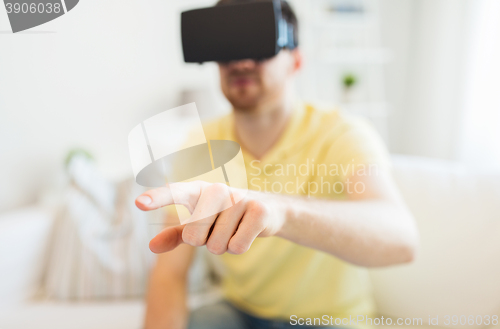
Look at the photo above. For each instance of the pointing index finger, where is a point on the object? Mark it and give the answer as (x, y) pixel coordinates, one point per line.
(186, 194)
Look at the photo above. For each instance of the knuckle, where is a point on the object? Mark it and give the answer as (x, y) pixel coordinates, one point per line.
(256, 208)
(217, 188)
(216, 247)
(237, 248)
(239, 194)
(192, 238)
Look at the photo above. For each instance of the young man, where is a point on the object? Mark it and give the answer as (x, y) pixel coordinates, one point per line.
(322, 207)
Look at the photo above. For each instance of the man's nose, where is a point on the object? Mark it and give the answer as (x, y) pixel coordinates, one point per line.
(241, 65)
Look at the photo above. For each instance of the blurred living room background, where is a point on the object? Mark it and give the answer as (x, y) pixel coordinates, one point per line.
(424, 72)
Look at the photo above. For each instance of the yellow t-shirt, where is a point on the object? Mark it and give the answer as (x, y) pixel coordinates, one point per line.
(277, 278)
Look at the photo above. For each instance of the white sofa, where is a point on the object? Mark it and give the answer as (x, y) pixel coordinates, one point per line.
(457, 271)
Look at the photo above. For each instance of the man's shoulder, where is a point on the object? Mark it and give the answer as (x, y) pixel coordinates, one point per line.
(349, 137)
(332, 120)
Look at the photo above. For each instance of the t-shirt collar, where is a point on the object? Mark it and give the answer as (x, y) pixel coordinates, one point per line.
(289, 141)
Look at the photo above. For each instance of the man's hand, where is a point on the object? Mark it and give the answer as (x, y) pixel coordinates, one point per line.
(231, 230)
(372, 228)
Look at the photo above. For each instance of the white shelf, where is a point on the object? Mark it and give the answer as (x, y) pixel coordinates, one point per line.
(336, 43)
(369, 109)
(376, 56)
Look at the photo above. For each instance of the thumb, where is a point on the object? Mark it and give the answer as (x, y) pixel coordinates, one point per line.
(168, 239)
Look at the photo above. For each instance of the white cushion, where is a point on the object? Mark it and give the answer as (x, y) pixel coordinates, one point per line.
(24, 235)
(99, 247)
(127, 314)
(457, 271)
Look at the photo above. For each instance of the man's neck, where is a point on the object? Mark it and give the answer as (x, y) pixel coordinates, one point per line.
(259, 129)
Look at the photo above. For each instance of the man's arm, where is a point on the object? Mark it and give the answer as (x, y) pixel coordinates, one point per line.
(166, 297)
(372, 228)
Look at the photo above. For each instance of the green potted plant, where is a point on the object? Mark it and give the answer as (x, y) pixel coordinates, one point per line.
(349, 80)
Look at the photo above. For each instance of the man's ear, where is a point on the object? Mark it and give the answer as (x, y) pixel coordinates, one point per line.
(298, 59)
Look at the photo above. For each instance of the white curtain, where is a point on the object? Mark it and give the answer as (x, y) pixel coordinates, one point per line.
(480, 133)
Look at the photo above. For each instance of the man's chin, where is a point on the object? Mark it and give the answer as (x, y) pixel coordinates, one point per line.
(244, 105)
(244, 102)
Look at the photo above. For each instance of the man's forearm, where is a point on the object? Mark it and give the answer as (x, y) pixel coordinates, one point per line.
(166, 303)
(366, 233)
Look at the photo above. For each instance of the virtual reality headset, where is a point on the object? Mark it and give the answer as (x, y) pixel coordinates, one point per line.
(254, 30)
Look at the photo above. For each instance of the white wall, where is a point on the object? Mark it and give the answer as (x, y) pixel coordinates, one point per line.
(425, 83)
(84, 80)
(397, 19)
(480, 133)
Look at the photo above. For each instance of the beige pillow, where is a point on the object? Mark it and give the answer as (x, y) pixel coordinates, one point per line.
(99, 246)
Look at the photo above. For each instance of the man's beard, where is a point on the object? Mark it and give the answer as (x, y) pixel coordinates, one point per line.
(244, 101)
(246, 105)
